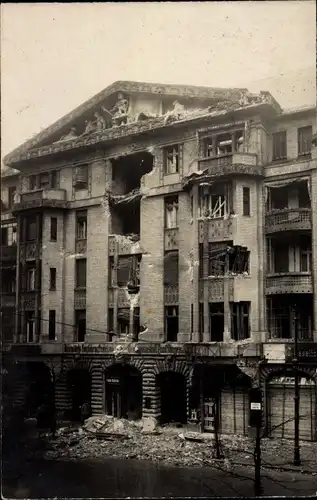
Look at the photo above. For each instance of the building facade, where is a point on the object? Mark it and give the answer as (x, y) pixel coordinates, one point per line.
(165, 258)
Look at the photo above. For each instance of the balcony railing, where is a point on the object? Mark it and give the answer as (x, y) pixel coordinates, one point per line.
(55, 198)
(289, 283)
(215, 287)
(218, 229)
(231, 164)
(123, 244)
(289, 219)
(171, 295)
(8, 253)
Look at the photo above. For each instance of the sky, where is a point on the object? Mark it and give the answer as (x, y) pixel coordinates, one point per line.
(55, 56)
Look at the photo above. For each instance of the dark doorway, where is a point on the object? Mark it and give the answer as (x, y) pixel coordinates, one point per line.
(79, 382)
(171, 323)
(173, 397)
(39, 392)
(123, 388)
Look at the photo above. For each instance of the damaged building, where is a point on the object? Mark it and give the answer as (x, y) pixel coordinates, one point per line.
(158, 258)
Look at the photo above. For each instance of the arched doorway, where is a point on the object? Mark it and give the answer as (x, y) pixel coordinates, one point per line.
(79, 383)
(172, 387)
(280, 392)
(123, 388)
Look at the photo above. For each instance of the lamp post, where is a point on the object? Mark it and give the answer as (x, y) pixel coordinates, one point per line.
(296, 396)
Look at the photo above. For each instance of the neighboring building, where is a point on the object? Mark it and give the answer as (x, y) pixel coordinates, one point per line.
(167, 243)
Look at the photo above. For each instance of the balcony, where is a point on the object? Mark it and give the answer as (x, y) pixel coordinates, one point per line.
(232, 164)
(218, 229)
(124, 245)
(289, 283)
(290, 219)
(50, 198)
(8, 253)
(124, 299)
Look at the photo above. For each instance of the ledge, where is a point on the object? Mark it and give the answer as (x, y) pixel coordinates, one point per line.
(289, 283)
(49, 198)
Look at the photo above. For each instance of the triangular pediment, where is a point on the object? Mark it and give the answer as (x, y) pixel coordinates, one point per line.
(123, 103)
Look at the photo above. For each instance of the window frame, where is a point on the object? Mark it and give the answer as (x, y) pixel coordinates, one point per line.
(171, 201)
(246, 201)
(53, 229)
(53, 276)
(52, 321)
(77, 285)
(278, 147)
(300, 141)
(167, 156)
(78, 174)
(81, 218)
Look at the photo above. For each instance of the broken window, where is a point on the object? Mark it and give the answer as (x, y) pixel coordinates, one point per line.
(80, 325)
(284, 314)
(216, 321)
(81, 273)
(52, 325)
(128, 270)
(123, 321)
(224, 254)
(30, 326)
(223, 144)
(279, 146)
(171, 323)
(246, 201)
(173, 157)
(53, 228)
(81, 225)
(240, 324)
(305, 135)
(81, 177)
(127, 172)
(52, 278)
(214, 201)
(171, 212)
(171, 268)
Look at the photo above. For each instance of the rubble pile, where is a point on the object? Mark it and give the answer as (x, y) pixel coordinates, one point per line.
(105, 436)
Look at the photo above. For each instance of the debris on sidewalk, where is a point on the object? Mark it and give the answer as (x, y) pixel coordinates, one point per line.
(104, 436)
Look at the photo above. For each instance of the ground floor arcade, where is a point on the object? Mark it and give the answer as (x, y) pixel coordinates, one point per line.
(205, 396)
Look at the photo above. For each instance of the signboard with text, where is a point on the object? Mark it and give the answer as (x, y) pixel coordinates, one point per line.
(307, 352)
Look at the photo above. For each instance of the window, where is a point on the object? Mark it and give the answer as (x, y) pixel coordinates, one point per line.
(14, 235)
(30, 283)
(31, 229)
(237, 259)
(81, 177)
(81, 273)
(128, 270)
(80, 325)
(171, 212)
(201, 260)
(171, 268)
(44, 180)
(216, 321)
(173, 159)
(54, 179)
(32, 182)
(246, 201)
(305, 254)
(304, 140)
(4, 236)
(223, 144)
(171, 323)
(53, 278)
(11, 193)
(279, 146)
(52, 325)
(111, 272)
(53, 229)
(240, 327)
(30, 326)
(214, 201)
(81, 225)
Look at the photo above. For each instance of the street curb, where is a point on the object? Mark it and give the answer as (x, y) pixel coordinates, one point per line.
(276, 467)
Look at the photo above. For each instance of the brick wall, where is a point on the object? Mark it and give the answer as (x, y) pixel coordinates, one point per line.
(151, 270)
(52, 257)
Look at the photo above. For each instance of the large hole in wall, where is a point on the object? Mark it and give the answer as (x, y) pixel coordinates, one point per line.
(127, 172)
